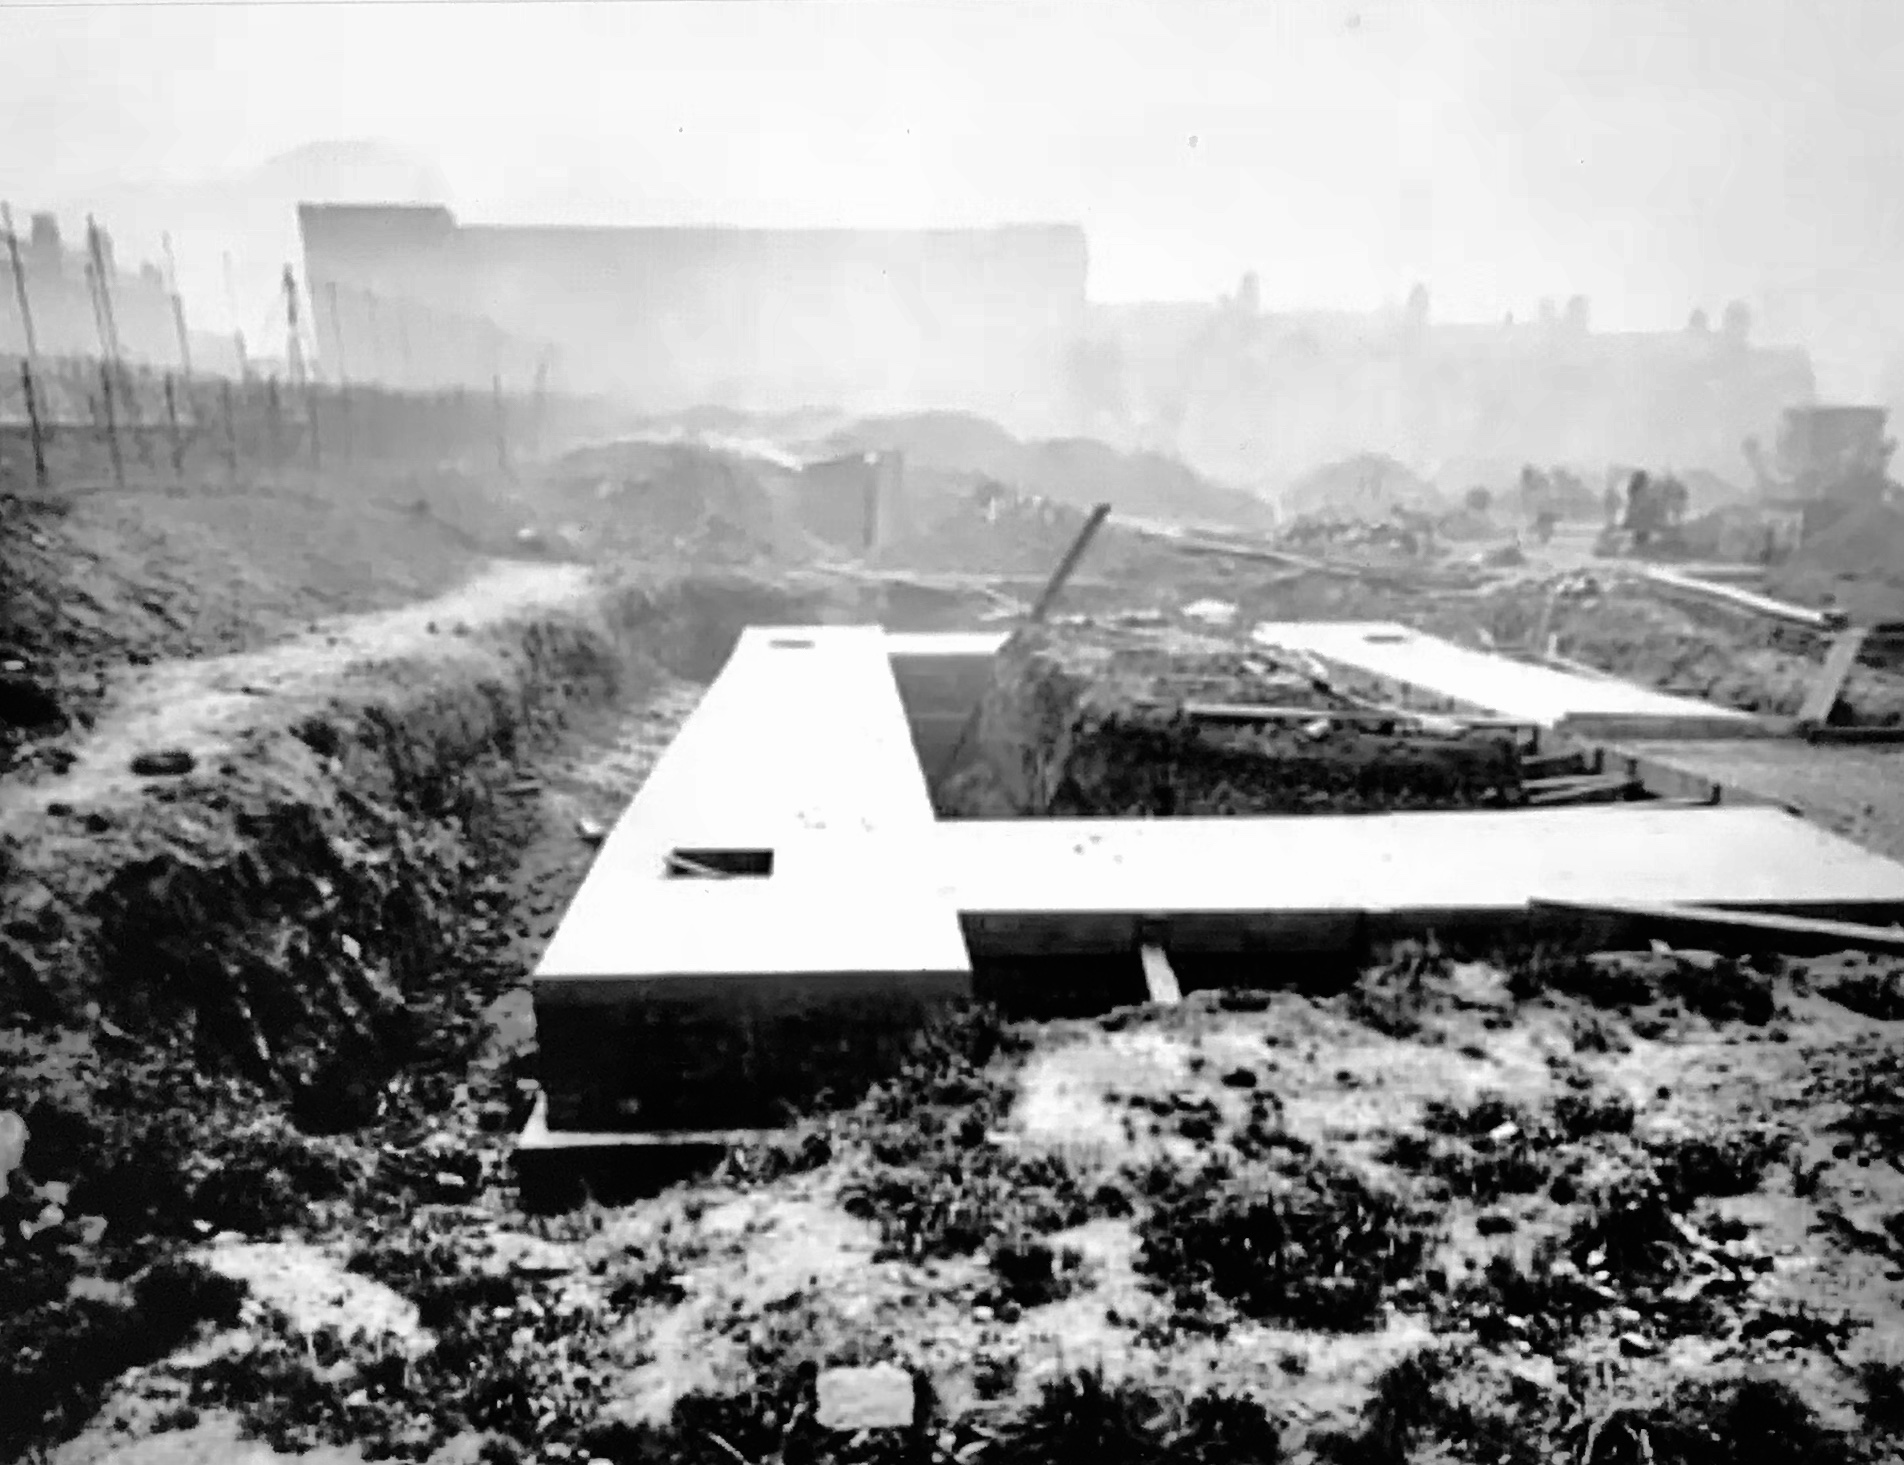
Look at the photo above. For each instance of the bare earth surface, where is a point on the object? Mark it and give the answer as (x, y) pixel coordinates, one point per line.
(1478, 1206)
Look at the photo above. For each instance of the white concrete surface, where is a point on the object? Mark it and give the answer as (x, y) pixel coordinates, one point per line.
(1405, 658)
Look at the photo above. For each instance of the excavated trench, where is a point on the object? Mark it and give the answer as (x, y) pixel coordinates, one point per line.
(1092, 723)
(244, 995)
(1084, 724)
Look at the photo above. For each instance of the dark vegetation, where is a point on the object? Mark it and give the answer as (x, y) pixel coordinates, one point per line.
(1310, 1244)
(61, 1354)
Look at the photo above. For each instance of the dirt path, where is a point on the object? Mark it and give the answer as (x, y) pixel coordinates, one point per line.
(204, 707)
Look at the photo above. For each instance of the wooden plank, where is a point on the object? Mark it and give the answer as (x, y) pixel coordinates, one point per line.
(1853, 735)
(1609, 924)
(1054, 587)
(1823, 693)
(1592, 788)
(1479, 680)
(1159, 978)
(1740, 599)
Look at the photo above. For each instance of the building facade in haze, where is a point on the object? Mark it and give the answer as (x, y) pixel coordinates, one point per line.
(1262, 395)
(766, 319)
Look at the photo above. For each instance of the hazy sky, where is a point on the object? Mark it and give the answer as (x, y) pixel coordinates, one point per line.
(1651, 154)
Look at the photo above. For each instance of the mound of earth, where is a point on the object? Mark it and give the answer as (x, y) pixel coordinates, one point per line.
(1369, 484)
(1074, 470)
(646, 498)
(1857, 562)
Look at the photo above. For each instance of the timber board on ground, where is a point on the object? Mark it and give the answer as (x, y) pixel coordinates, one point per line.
(1400, 661)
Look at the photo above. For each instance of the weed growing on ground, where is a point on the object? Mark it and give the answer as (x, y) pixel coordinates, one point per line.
(1717, 1162)
(59, 1359)
(1417, 1403)
(1029, 1273)
(1082, 1416)
(1736, 1421)
(508, 1360)
(1544, 1304)
(1873, 990)
(1313, 1246)
(1393, 995)
(1721, 989)
(1882, 1408)
(1484, 1151)
(925, 1162)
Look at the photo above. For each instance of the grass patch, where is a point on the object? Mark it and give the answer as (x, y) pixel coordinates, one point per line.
(60, 1358)
(1717, 1162)
(1482, 1152)
(1311, 1246)
(508, 1361)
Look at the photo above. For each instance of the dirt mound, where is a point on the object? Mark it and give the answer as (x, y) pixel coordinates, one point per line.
(1369, 485)
(92, 580)
(1858, 562)
(1078, 471)
(646, 499)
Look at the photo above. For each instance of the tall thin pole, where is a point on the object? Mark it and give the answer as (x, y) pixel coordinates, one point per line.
(112, 426)
(19, 287)
(109, 326)
(294, 350)
(36, 432)
(102, 278)
(293, 337)
(376, 339)
(178, 316)
(237, 322)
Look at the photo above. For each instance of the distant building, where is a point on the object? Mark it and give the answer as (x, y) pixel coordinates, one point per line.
(1263, 395)
(763, 318)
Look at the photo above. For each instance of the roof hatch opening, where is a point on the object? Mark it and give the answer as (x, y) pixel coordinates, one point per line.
(720, 864)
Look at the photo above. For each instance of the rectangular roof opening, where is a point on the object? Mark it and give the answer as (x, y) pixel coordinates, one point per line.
(720, 864)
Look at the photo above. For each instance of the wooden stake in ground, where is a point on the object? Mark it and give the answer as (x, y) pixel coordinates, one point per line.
(19, 287)
(34, 430)
(1053, 588)
(111, 425)
(178, 318)
(301, 379)
(172, 421)
(231, 429)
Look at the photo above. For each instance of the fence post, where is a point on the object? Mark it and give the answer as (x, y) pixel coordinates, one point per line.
(231, 429)
(171, 419)
(33, 424)
(112, 431)
(310, 410)
(274, 429)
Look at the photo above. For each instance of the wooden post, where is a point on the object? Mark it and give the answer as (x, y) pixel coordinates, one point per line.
(172, 421)
(1053, 588)
(19, 287)
(33, 423)
(274, 427)
(231, 429)
(111, 424)
(178, 317)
